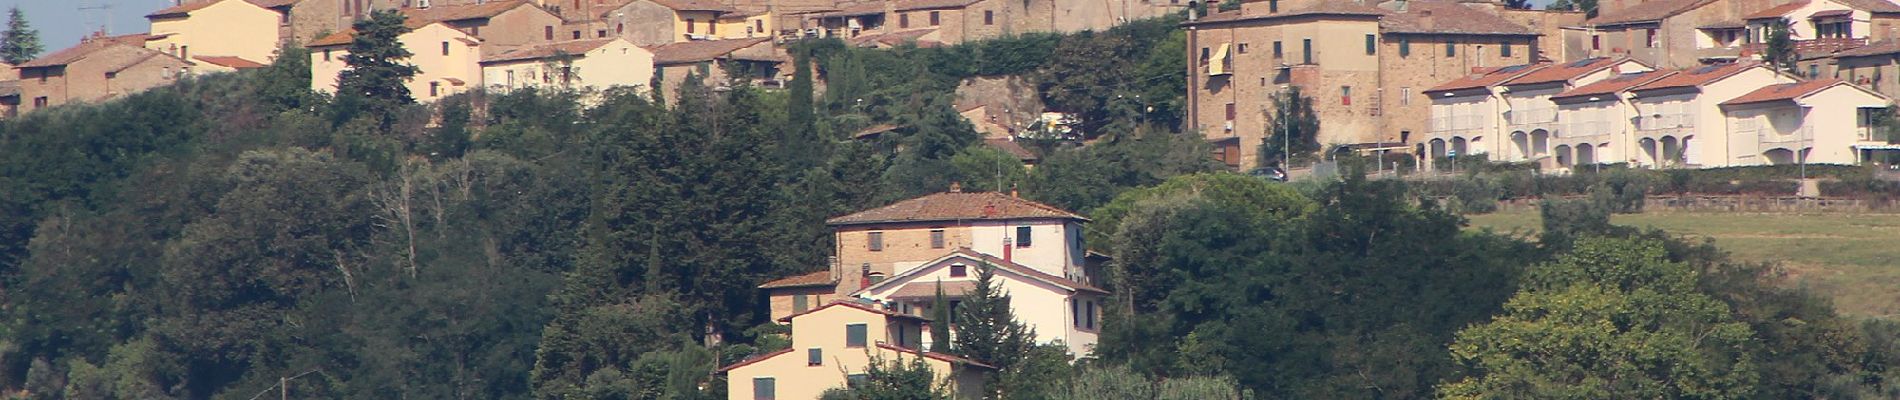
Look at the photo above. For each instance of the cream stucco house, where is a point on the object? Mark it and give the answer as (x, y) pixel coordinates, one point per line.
(1508, 113)
(1060, 310)
(585, 65)
(1679, 122)
(217, 28)
(1822, 121)
(1595, 121)
(833, 345)
(449, 60)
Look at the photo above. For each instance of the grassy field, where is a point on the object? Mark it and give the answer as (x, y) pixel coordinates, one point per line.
(1854, 258)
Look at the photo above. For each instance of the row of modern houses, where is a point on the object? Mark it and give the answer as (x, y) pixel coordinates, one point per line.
(1657, 83)
(501, 45)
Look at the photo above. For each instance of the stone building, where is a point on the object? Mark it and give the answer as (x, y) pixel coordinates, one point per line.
(96, 69)
(1363, 66)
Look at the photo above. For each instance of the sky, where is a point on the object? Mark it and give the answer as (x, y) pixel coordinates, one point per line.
(61, 23)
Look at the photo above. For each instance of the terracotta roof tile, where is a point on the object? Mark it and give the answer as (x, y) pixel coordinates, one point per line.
(1346, 8)
(1614, 85)
(229, 62)
(695, 5)
(540, 51)
(85, 48)
(820, 278)
(999, 262)
(857, 304)
(860, 9)
(926, 290)
(955, 206)
(348, 35)
(186, 9)
(10, 88)
(1013, 148)
(1488, 77)
(935, 355)
(754, 360)
(1777, 11)
(1884, 47)
(1730, 24)
(699, 50)
(890, 39)
(1830, 13)
(1876, 6)
(462, 12)
(1698, 76)
(1784, 91)
(1566, 71)
(1447, 17)
(1650, 11)
(911, 5)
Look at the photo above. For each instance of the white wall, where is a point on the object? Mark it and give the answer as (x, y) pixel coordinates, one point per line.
(1038, 305)
(1055, 245)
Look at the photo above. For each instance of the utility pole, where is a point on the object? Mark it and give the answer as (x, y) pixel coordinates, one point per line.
(283, 388)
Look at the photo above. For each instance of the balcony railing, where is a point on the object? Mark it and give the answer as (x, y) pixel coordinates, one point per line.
(1665, 121)
(1533, 116)
(1584, 129)
(1457, 123)
(1800, 135)
(1823, 45)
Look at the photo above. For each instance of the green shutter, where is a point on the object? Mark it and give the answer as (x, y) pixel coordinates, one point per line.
(1371, 44)
(854, 335)
(799, 304)
(764, 388)
(1405, 47)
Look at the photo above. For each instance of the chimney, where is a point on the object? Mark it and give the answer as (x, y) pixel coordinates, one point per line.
(864, 276)
(956, 187)
(837, 270)
(1008, 248)
(1012, 191)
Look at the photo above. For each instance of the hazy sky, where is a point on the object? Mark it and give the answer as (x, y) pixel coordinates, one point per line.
(61, 23)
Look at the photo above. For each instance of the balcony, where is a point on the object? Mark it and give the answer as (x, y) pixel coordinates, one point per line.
(1823, 45)
(1585, 129)
(1458, 123)
(1658, 122)
(1532, 116)
(1796, 139)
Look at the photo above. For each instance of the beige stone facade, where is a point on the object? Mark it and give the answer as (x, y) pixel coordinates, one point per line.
(583, 65)
(1364, 67)
(449, 61)
(229, 28)
(834, 344)
(98, 69)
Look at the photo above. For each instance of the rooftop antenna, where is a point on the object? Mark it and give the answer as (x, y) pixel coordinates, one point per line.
(98, 13)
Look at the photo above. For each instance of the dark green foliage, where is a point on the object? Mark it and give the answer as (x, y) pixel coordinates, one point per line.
(1588, 7)
(1294, 123)
(376, 82)
(988, 333)
(19, 43)
(894, 380)
(1518, 4)
(940, 322)
(1779, 49)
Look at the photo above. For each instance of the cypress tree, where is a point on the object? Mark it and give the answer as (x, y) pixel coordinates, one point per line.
(940, 322)
(986, 330)
(377, 79)
(19, 43)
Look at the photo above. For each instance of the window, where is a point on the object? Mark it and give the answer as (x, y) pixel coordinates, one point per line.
(1022, 236)
(1405, 96)
(854, 335)
(1405, 47)
(758, 25)
(547, 32)
(1204, 56)
(39, 102)
(445, 48)
(1273, 6)
(620, 28)
(1596, 42)
(1276, 50)
(855, 380)
(936, 238)
(1371, 44)
(1306, 51)
(1242, 48)
(184, 52)
(814, 357)
(475, 30)
(903, 20)
(1814, 71)
(959, 270)
(800, 303)
(110, 75)
(1075, 312)
(764, 389)
(1504, 48)
(435, 89)
(933, 18)
(989, 17)
(712, 27)
(689, 25)
(577, 35)
(1089, 312)
(874, 241)
(1451, 48)
(600, 33)
(326, 54)
(1649, 38)
(1345, 95)
(1230, 111)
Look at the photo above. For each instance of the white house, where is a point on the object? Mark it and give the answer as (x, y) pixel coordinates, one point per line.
(589, 65)
(1060, 310)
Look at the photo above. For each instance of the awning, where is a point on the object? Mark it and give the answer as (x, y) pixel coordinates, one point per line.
(1218, 64)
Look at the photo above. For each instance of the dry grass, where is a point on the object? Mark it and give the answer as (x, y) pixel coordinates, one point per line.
(1853, 258)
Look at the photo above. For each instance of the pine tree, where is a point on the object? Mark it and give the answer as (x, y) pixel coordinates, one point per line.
(1779, 51)
(19, 43)
(940, 323)
(986, 330)
(376, 82)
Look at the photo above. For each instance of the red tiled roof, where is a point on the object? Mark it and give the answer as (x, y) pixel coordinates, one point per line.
(85, 48)
(1566, 71)
(820, 278)
(462, 12)
(1698, 76)
(912, 5)
(1446, 17)
(852, 303)
(1777, 11)
(1013, 148)
(1487, 78)
(186, 9)
(1884, 47)
(1876, 6)
(860, 9)
(1784, 91)
(754, 360)
(1650, 11)
(873, 131)
(925, 290)
(1027, 271)
(348, 35)
(935, 355)
(540, 51)
(695, 5)
(229, 62)
(1730, 24)
(274, 3)
(955, 206)
(1614, 85)
(1346, 8)
(700, 50)
(891, 39)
